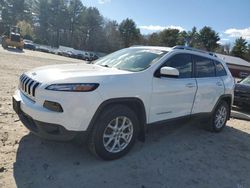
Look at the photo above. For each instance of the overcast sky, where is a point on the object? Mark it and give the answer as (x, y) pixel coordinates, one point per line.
(231, 18)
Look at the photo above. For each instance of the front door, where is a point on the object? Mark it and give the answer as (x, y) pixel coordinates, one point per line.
(173, 97)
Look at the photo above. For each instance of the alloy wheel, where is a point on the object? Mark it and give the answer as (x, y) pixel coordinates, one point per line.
(118, 134)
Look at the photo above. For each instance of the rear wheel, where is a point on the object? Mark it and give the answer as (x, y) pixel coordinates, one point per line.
(114, 133)
(219, 117)
(20, 48)
(4, 44)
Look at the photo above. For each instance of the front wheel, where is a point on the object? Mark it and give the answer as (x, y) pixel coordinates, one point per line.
(219, 117)
(114, 133)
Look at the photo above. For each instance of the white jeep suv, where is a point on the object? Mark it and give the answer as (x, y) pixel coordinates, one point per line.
(111, 101)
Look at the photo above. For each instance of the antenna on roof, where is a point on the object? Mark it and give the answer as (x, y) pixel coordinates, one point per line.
(194, 49)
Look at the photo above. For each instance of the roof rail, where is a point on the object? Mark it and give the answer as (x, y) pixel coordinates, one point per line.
(194, 49)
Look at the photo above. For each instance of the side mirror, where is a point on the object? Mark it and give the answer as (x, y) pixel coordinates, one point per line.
(169, 72)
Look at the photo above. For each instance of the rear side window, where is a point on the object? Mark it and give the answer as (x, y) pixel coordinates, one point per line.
(204, 67)
(182, 62)
(220, 71)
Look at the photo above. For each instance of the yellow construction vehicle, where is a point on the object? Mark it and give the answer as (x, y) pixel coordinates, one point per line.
(13, 38)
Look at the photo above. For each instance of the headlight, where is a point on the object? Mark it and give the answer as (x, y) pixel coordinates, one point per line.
(75, 87)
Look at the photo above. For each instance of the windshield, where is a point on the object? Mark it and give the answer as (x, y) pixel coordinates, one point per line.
(246, 81)
(131, 59)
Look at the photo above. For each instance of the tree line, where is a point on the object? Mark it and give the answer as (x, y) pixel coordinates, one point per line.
(70, 23)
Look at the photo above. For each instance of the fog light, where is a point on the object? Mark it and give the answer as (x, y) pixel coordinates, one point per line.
(53, 106)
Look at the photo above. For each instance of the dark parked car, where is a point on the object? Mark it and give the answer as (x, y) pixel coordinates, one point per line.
(242, 93)
(69, 54)
(80, 56)
(93, 57)
(43, 48)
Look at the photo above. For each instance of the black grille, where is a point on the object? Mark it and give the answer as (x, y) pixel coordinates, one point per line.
(242, 94)
(28, 86)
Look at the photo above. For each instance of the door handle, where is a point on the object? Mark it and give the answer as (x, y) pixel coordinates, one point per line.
(219, 84)
(190, 85)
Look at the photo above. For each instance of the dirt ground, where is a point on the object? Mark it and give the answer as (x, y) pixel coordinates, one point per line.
(174, 156)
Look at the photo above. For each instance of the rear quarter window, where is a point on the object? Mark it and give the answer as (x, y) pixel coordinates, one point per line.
(220, 70)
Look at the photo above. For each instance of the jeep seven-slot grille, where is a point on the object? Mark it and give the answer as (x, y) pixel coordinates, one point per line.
(28, 86)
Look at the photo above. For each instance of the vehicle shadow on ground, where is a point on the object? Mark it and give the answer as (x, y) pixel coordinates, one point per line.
(15, 50)
(173, 156)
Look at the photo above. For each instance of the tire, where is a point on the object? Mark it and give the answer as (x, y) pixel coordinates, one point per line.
(20, 48)
(4, 45)
(219, 117)
(119, 125)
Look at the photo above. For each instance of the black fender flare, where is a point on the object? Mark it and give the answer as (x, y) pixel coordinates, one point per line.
(224, 97)
(134, 103)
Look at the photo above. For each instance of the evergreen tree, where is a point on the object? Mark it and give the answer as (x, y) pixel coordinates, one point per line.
(169, 37)
(240, 48)
(208, 39)
(130, 34)
(193, 38)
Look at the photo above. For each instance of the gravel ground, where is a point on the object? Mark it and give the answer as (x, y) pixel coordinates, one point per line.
(183, 155)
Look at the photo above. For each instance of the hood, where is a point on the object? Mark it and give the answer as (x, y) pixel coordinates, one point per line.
(242, 88)
(55, 73)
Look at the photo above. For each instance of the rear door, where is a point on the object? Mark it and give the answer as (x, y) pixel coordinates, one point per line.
(173, 97)
(210, 87)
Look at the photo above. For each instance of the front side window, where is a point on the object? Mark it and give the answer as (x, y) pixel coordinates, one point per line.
(182, 62)
(131, 59)
(220, 71)
(204, 67)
